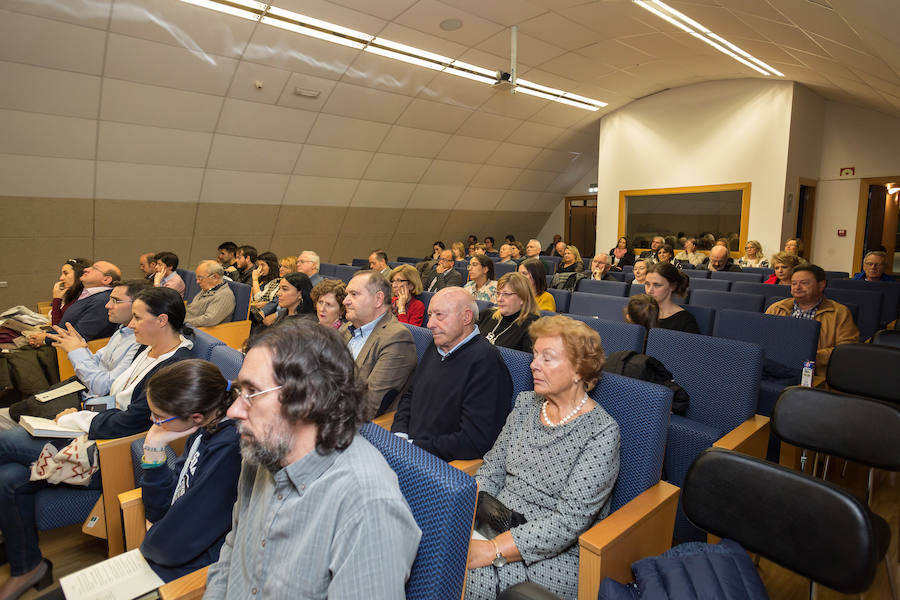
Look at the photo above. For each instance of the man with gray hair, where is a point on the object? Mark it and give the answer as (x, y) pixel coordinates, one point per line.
(873, 267)
(308, 263)
(461, 391)
(382, 347)
(655, 245)
(600, 266)
(215, 302)
(532, 249)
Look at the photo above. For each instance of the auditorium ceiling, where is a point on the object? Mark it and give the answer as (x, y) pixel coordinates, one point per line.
(175, 102)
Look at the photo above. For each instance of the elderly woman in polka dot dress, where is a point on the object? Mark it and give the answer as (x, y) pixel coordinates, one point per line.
(556, 462)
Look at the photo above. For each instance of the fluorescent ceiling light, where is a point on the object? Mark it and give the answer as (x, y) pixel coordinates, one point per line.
(323, 30)
(696, 29)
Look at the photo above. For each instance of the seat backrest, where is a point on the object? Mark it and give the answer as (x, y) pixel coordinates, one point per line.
(616, 335)
(191, 288)
(773, 298)
(736, 276)
(241, 300)
(808, 526)
(618, 275)
(562, 298)
(502, 269)
(426, 297)
(766, 289)
(869, 303)
(836, 275)
(865, 370)
(719, 285)
(422, 338)
(345, 272)
(786, 341)
(463, 272)
(598, 305)
(724, 388)
(408, 259)
(442, 501)
(887, 337)
(890, 302)
(704, 315)
(326, 269)
(764, 271)
(735, 300)
(607, 288)
(360, 263)
(228, 360)
(483, 306)
(518, 364)
(641, 410)
(853, 428)
(204, 344)
(697, 274)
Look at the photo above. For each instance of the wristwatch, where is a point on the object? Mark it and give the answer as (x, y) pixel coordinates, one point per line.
(499, 560)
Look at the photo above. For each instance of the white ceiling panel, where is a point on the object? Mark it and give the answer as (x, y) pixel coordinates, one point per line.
(90, 13)
(858, 61)
(343, 132)
(427, 15)
(576, 67)
(382, 194)
(335, 13)
(248, 154)
(425, 114)
(492, 127)
(721, 20)
(75, 48)
(182, 25)
(307, 190)
(626, 83)
(535, 181)
(238, 187)
(291, 99)
(372, 70)
(517, 200)
(385, 9)
(535, 134)
(422, 40)
(825, 66)
(551, 160)
(435, 196)
(449, 172)
(414, 142)
(615, 53)
(756, 8)
(258, 83)
(332, 162)
(127, 181)
(560, 31)
(392, 167)
(468, 149)
(890, 87)
(478, 199)
(288, 50)
(782, 34)
(490, 176)
(46, 135)
(123, 142)
(251, 119)
(141, 61)
(163, 107)
(516, 106)
(457, 91)
(48, 91)
(529, 50)
(365, 103)
(504, 12)
(561, 115)
(513, 155)
(820, 20)
(42, 177)
(608, 19)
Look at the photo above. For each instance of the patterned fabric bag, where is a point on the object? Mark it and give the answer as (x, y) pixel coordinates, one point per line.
(75, 464)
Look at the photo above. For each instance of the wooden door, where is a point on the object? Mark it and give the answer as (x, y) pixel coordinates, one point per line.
(581, 223)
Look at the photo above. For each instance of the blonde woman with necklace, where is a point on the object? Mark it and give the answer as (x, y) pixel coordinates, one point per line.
(555, 462)
(157, 321)
(508, 324)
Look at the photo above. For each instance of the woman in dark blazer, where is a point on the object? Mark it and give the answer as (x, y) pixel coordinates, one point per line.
(622, 254)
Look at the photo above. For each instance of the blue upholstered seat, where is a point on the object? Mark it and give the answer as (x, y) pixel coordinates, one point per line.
(422, 338)
(615, 335)
(502, 269)
(598, 305)
(736, 276)
(704, 315)
(360, 263)
(326, 270)
(697, 274)
(345, 272)
(426, 297)
(619, 275)
(869, 302)
(764, 271)
(890, 302)
(562, 298)
(836, 275)
(735, 300)
(228, 360)
(723, 389)
(190, 283)
(699, 283)
(607, 288)
(204, 344)
(766, 289)
(241, 293)
(518, 364)
(442, 501)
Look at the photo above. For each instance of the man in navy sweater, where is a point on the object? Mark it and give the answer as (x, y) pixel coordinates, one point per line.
(461, 390)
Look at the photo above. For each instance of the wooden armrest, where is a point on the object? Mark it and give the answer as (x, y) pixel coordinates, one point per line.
(189, 587)
(468, 466)
(133, 520)
(385, 420)
(233, 333)
(65, 367)
(750, 437)
(641, 528)
(118, 477)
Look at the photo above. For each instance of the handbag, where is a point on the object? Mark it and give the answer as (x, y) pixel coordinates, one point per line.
(492, 517)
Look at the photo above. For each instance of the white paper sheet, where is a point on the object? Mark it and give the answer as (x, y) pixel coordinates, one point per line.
(122, 577)
(73, 386)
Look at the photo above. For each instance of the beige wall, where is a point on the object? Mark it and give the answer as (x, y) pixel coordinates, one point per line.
(40, 233)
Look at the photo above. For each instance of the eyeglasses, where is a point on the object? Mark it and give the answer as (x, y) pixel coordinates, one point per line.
(115, 300)
(445, 260)
(506, 294)
(400, 281)
(156, 421)
(199, 277)
(871, 264)
(237, 392)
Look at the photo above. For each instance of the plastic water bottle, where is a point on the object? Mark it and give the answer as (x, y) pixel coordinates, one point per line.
(806, 379)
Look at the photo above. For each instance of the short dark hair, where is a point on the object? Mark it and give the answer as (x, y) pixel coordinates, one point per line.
(485, 261)
(440, 244)
(538, 272)
(816, 270)
(303, 285)
(133, 287)
(380, 255)
(488, 237)
(472, 237)
(165, 301)
(272, 263)
(377, 283)
(510, 238)
(229, 247)
(248, 252)
(191, 386)
(318, 380)
(170, 259)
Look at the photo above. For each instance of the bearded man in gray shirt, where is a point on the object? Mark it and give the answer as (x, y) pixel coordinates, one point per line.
(317, 504)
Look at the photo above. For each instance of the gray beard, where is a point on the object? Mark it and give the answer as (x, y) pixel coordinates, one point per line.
(270, 453)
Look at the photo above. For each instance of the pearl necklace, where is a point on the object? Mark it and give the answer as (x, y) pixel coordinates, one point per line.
(565, 419)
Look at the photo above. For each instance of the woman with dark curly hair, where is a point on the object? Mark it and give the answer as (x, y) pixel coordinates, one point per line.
(265, 279)
(328, 296)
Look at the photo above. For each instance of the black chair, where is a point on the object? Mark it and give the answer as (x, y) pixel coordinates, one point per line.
(887, 337)
(867, 370)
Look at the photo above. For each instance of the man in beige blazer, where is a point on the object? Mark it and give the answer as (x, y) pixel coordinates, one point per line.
(382, 347)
